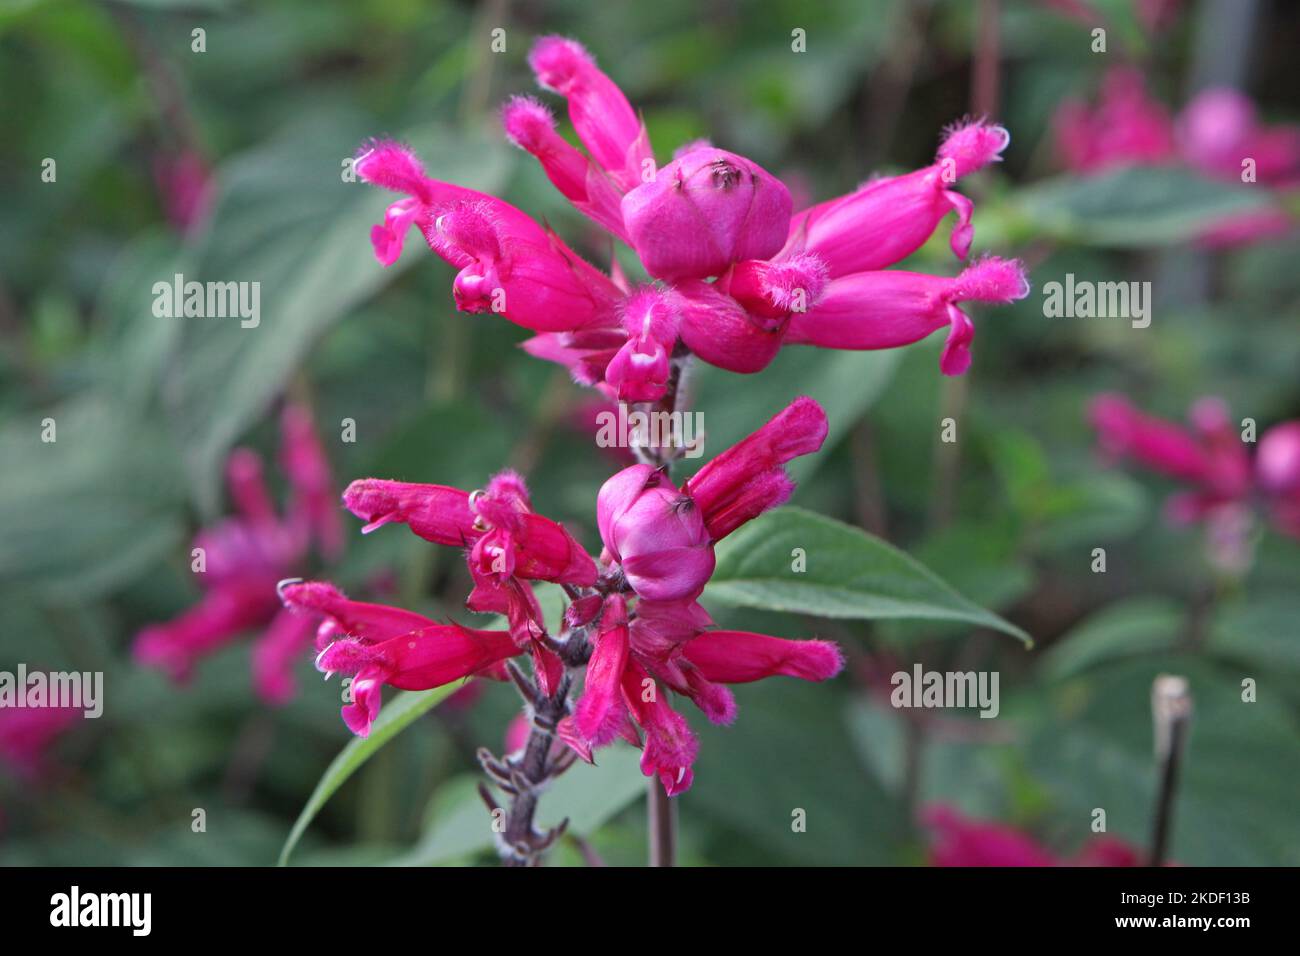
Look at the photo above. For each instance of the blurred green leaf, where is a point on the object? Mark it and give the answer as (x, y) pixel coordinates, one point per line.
(397, 715)
(1124, 629)
(1132, 207)
(849, 574)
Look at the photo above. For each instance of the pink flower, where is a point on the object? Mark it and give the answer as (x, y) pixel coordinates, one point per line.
(378, 644)
(508, 263)
(244, 557)
(185, 184)
(888, 219)
(1210, 456)
(27, 734)
(709, 214)
(662, 538)
(1216, 134)
(508, 545)
(878, 310)
(1127, 127)
(654, 636)
(958, 840)
(704, 211)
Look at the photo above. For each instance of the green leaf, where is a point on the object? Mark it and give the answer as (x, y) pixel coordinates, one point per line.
(587, 795)
(849, 574)
(1138, 206)
(397, 715)
(1125, 629)
(287, 221)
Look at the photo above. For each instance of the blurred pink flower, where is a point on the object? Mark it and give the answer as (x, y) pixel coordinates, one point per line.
(240, 560)
(27, 735)
(1224, 484)
(958, 840)
(185, 185)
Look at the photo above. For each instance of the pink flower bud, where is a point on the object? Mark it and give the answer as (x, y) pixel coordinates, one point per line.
(881, 310)
(748, 478)
(602, 117)
(655, 533)
(639, 370)
(434, 512)
(888, 219)
(530, 126)
(704, 211)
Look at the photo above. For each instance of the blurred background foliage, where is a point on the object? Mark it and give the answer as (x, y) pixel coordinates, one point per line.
(94, 528)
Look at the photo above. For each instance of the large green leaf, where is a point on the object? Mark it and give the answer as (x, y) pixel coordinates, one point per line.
(397, 715)
(848, 574)
(1138, 206)
(286, 220)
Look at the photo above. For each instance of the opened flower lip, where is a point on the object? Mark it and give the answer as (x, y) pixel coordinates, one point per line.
(419, 660)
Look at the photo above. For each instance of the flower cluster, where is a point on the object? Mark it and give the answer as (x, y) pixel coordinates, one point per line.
(1215, 134)
(634, 627)
(239, 561)
(1224, 482)
(738, 274)
(957, 840)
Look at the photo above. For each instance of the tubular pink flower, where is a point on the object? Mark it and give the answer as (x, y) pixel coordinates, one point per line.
(600, 712)
(276, 653)
(531, 127)
(313, 506)
(748, 478)
(532, 546)
(225, 611)
(508, 263)
(1159, 445)
(739, 657)
(670, 747)
(359, 620)
(656, 534)
(434, 512)
(880, 310)
(419, 660)
(638, 372)
(888, 219)
(1127, 126)
(704, 211)
(602, 117)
